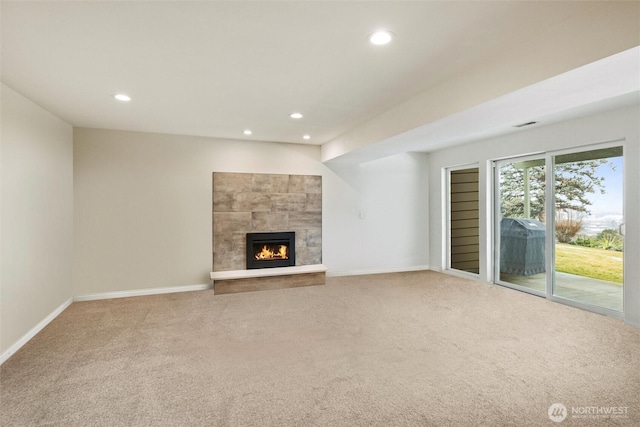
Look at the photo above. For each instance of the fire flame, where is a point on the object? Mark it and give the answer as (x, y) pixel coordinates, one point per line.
(268, 253)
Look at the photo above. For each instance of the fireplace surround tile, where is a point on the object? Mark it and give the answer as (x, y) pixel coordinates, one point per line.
(225, 201)
(289, 202)
(309, 256)
(230, 221)
(305, 184)
(305, 220)
(267, 183)
(233, 182)
(244, 203)
(269, 221)
(314, 238)
(314, 202)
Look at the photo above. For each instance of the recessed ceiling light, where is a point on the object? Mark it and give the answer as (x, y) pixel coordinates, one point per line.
(122, 97)
(380, 37)
(247, 132)
(295, 115)
(306, 137)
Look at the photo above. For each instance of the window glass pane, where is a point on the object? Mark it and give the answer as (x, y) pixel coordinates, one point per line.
(588, 227)
(521, 237)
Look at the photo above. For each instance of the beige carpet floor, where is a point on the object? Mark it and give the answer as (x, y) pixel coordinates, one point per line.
(418, 348)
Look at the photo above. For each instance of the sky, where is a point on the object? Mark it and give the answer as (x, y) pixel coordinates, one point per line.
(607, 208)
(610, 203)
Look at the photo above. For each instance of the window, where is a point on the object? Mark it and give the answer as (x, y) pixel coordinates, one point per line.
(463, 220)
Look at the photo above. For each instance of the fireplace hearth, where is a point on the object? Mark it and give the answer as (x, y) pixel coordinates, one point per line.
(266, 250)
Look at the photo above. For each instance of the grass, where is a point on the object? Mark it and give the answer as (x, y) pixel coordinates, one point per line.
(589, 262)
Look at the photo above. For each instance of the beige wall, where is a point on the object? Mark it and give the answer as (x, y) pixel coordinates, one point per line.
(37, 216)
(143, 207)
(88, 211)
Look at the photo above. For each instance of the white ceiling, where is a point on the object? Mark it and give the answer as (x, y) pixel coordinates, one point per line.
(610, 83)
(217, 68)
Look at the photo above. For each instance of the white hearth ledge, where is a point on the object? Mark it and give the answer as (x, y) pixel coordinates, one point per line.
(267, 272)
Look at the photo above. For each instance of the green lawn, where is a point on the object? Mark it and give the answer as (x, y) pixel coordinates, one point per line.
(589, 262)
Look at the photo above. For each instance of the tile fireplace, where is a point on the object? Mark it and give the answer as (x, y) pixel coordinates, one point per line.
(260, 203)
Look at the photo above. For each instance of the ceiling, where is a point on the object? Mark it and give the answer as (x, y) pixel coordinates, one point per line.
(610, 83)
(218, 68)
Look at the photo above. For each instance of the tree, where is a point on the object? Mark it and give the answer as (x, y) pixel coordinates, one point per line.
(574, 181)
(512, 192)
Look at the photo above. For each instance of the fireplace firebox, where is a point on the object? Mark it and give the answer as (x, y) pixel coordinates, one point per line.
(265, 250)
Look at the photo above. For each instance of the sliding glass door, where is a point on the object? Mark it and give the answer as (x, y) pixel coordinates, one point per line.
(520, 257)
(560, 234)
(588, 216)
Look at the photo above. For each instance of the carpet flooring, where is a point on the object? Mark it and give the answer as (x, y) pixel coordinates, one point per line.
(415, 349)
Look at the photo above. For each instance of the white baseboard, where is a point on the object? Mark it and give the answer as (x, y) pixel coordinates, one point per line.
(32, 333)
(141, 292)
(364, 272)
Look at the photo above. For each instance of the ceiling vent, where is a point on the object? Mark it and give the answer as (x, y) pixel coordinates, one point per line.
(525, 124)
